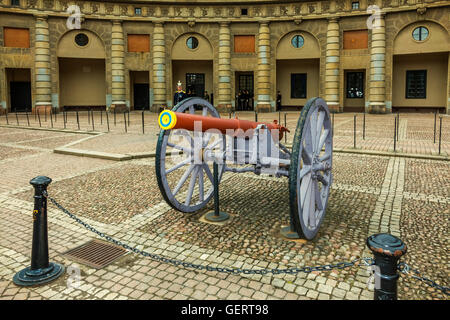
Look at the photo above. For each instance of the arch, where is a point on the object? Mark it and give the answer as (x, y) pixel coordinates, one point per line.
(67, 48)
(180, 51)
(309, 50)
(437, 40)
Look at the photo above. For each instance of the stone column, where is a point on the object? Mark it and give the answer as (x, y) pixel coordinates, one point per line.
(224, 101)
(332, 66)
(159, 68)
(448, 85)
(263, 75)
(377, 86)
(118, 67)
(43, 93)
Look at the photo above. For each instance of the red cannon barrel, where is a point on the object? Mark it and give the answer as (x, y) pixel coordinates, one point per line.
(236, 127)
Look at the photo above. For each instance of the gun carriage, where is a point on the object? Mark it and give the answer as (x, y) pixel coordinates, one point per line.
(193, 135)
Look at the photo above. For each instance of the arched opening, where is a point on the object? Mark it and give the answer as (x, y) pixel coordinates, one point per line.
(420, 67)
(81, 61)
(298, 69)
(192, 65)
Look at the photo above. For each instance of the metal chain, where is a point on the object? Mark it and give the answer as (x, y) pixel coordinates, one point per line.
(327, 267)
(404, 268)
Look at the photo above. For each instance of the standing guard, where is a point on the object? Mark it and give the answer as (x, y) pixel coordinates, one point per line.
(179, 95)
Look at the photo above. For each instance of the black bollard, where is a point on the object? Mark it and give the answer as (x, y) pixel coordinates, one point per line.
(6, 115)
(364, 126)
(92, 115)
(39, 117)
(256, 116)
(434, 136)
(51, 117)
(107, 119)
(285, 125)
(440, 134)
(143, 132)
(354, 131)
(78, 121)
(41, 270)
(17, 119)
(101, 117)
(395, 132)
(28, 119)
(125, 121)
(216, 215)
(398, 124)
(114, 116)
(128, 117)
(387, 250)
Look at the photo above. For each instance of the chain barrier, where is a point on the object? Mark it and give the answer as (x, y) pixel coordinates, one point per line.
(366, 262)
(327, 267)
(404, 268)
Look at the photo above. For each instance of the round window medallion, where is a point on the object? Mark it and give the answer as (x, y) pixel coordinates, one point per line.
(81, 39)
(192, 42)
(420, 33)
(297, 41)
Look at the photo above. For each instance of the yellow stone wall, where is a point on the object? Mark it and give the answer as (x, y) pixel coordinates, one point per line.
(215, 23)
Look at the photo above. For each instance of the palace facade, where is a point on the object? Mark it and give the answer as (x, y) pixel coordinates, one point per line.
(131, 54)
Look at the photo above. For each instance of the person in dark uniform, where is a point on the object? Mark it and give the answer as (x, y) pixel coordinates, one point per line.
(278, 100)
(179, 95)
(206, 97)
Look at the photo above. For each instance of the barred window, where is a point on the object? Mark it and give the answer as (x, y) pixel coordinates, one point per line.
(416, 84)
(298, 85)
(355, 5)
(420, 33)
(355, 85)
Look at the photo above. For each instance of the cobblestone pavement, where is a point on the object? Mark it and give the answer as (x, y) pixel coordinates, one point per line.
(370, 194)
(416, 134)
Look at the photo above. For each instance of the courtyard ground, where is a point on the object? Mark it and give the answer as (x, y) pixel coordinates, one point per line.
(371, 193)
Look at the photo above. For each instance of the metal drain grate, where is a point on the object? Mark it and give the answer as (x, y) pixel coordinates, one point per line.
(96, 254)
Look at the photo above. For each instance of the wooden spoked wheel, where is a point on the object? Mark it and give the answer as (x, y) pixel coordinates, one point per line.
(183, 171)
(310, 174)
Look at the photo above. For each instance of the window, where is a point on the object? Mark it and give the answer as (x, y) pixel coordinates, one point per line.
(16, 37)
(81, 39)
(416, 84)
(138, 11)
(138, 42)
(244, 44)
(420, 33)
(298, 85)
(195, 84)
(15, 3)
(244, 12)
(192, 42)
(355, 5)
(355, 85)
(297, 41)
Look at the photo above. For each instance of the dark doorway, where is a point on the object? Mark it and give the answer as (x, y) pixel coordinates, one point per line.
(141, 96)
(195, 84)
(244, 91)
(20, 96)
(19, 88)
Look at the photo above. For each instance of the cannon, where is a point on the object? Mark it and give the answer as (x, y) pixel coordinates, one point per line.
(193, 137)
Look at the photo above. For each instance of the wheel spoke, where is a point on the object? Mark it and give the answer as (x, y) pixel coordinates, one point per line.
(206, 138)
(305, 170)
(313, 129)
(179, 165)
(304, 185)
(318, 197)
(312, 206)
(184, 149)
(205, 111)
(323, 137)
(191, 109)
(208, 172)
(306, 204)
(191, 186)
(201, 190)
(320, 123)
(183, 180)
(306, 156)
